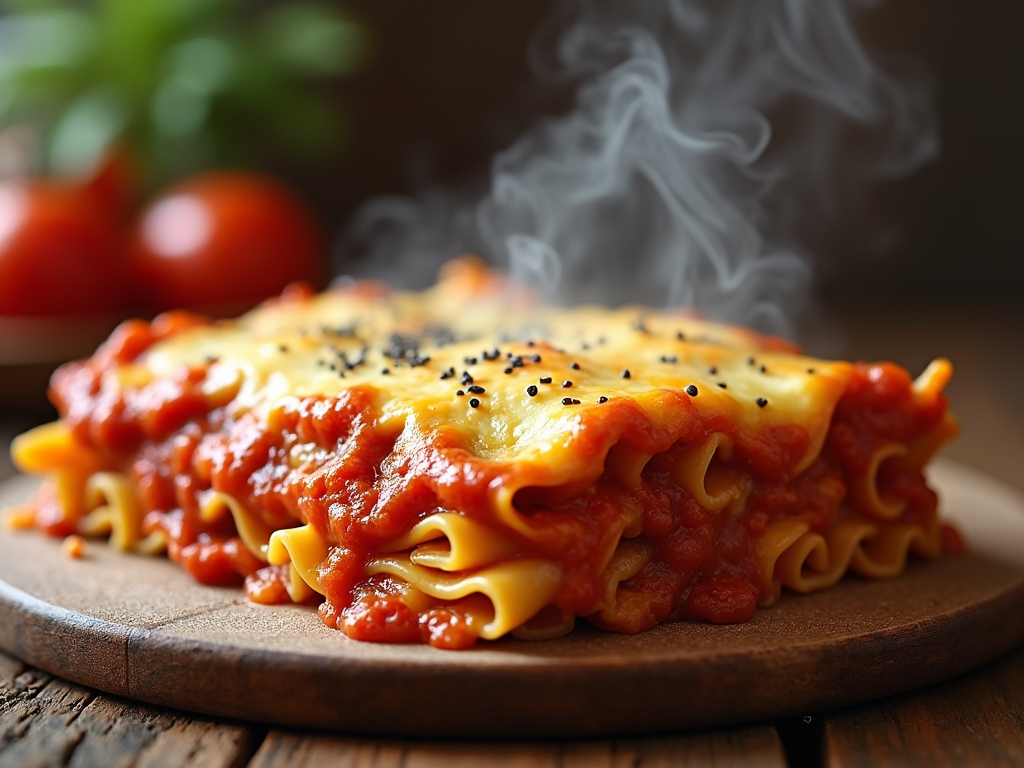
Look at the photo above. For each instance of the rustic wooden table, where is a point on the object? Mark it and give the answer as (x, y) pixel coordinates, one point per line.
(977, 719)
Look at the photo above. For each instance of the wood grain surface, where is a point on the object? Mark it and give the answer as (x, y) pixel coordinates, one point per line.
(976, 721)
(140, 628)
(47, 721)
(756, 746)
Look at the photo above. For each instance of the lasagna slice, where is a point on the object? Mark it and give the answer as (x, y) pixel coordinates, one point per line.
(464, 464)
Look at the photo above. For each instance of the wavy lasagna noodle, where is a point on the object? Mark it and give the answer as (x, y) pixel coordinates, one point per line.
(461, 464)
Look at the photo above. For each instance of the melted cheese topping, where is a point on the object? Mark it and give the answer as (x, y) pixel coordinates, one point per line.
(428, 355)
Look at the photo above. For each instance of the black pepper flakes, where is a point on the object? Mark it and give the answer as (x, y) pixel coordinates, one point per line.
(810, 370)
(751, 361)
(681, 336)
(691, 390)
(534, 358)
(343, 330)
(764, 369)
(602, 399)
(283, 347)
(459, 393)
(713, 370)
(508, 369)
(625, 373)
(761, 402)
(442, 335)
(532, 390)
(476, 389)
(722, 385)
(450, 373)
(669, 359)
(575, 366)
(566, 401)
(351, 365)
(575, 401)
(544, 379)
(566, 384)
(466, 378)
(529, 342)
(385, 371)
(469, 360)
(404, 348)
(474, 403)
(517, 362)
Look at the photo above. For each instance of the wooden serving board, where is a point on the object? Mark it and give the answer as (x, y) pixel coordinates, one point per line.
(139, 627)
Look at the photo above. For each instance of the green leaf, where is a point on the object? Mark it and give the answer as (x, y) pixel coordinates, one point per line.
(307, 127)
(183, 16)
(182, 82)
(54, 39)
(312, 39)
(88, 127)
(202, 64)
(177, 110)
(8, 101)
(29, 6)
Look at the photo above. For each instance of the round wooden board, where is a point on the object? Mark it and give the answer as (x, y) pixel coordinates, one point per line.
(140, 628)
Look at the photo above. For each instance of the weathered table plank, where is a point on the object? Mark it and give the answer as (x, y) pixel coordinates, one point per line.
(753, 746)
(976, 720)
(45, 721)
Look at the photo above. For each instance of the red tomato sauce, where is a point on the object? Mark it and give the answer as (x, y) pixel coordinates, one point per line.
(361, 487)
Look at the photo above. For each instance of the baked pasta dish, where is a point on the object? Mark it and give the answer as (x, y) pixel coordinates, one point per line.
(463, 463)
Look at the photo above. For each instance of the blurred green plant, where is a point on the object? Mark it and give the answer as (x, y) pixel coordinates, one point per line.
(181, 84)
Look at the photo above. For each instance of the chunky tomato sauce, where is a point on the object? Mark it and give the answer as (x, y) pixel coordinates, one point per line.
(361, 487)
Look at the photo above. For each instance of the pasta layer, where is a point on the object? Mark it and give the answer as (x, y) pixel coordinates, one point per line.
(461, 464)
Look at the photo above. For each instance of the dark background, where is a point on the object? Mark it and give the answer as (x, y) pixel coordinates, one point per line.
(448, 86)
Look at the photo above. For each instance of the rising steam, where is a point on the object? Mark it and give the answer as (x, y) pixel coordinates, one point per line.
(706, 135)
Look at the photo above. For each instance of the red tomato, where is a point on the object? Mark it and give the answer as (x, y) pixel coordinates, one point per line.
(60, 251)
(223, 240)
